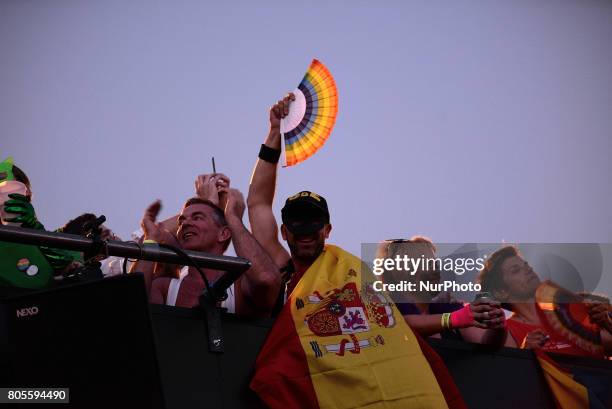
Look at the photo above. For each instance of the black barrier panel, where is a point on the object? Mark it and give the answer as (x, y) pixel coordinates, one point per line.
(94, 338)
(506, 378)
(192, 376)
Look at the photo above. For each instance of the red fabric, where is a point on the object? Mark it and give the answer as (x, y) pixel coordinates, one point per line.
(293, 281)
(282, 380)
(556, 343)
(451, 393)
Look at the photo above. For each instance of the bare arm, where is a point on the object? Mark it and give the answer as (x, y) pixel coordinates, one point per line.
(425, 324)
(262, 188)
(156, 232)
(147, 270)
(482, 321)
(159, 290)
(261, 283)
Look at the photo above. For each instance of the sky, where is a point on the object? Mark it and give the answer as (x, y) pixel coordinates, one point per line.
(469, 121)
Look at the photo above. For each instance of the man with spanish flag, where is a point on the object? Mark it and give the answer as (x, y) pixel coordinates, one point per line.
(336, 342)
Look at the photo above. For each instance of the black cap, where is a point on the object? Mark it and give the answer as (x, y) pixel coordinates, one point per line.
(303, 202)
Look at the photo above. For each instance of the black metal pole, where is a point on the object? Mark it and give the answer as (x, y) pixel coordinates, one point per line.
(151, 252)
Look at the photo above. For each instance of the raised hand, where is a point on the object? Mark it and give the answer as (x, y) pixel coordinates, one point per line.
(20, 206)
(235, 204)
(488, 315)
(280, 110)
(600, 314)
(209, 186)
(535, 339)
(153, 230)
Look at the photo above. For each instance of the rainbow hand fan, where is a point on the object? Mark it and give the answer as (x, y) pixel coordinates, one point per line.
(565, 313)
(311, 116)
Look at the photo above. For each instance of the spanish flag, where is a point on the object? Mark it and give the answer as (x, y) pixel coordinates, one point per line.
(575, 389)
(339, 344)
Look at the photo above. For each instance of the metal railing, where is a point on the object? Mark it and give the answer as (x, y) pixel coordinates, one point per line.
(150, 252)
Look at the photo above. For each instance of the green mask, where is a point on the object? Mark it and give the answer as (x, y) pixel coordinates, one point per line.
(6, 169)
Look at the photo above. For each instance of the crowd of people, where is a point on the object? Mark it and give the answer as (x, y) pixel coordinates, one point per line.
(213, 218)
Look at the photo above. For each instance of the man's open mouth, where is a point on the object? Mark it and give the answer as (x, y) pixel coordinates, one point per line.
(188, 235)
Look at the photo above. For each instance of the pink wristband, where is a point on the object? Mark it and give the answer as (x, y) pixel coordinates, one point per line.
(462, 318)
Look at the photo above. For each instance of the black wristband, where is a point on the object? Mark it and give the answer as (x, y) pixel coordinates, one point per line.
(269, 154)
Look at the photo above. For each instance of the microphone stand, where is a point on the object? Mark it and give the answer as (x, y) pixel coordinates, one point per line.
(92, 267)
(209, 302)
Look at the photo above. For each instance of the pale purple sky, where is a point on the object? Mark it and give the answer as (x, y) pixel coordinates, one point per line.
(469, 121)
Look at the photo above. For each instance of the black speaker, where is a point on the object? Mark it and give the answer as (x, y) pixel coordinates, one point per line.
(94, 338)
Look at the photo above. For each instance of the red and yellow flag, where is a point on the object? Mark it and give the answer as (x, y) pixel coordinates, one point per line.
(567, 393)
(578, 387)
(339, 344)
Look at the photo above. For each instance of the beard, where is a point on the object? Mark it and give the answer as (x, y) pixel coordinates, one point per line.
(306, 253)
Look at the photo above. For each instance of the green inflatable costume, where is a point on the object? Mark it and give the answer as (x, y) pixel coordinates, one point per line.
(22, 265)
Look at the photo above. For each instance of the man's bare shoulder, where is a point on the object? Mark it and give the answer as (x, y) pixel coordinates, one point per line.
(159, 290)
(161, 282)
(162, 279)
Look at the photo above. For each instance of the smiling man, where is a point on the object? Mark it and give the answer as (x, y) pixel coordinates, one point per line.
(305, 227)
(330, 309)
(204, 227)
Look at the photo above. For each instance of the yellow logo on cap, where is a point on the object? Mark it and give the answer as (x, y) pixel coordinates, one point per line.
(305, 194)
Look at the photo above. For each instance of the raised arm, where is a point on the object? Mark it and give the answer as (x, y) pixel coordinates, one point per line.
(263, 186)
(156, 232)
(261, 283)
(206, 187)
